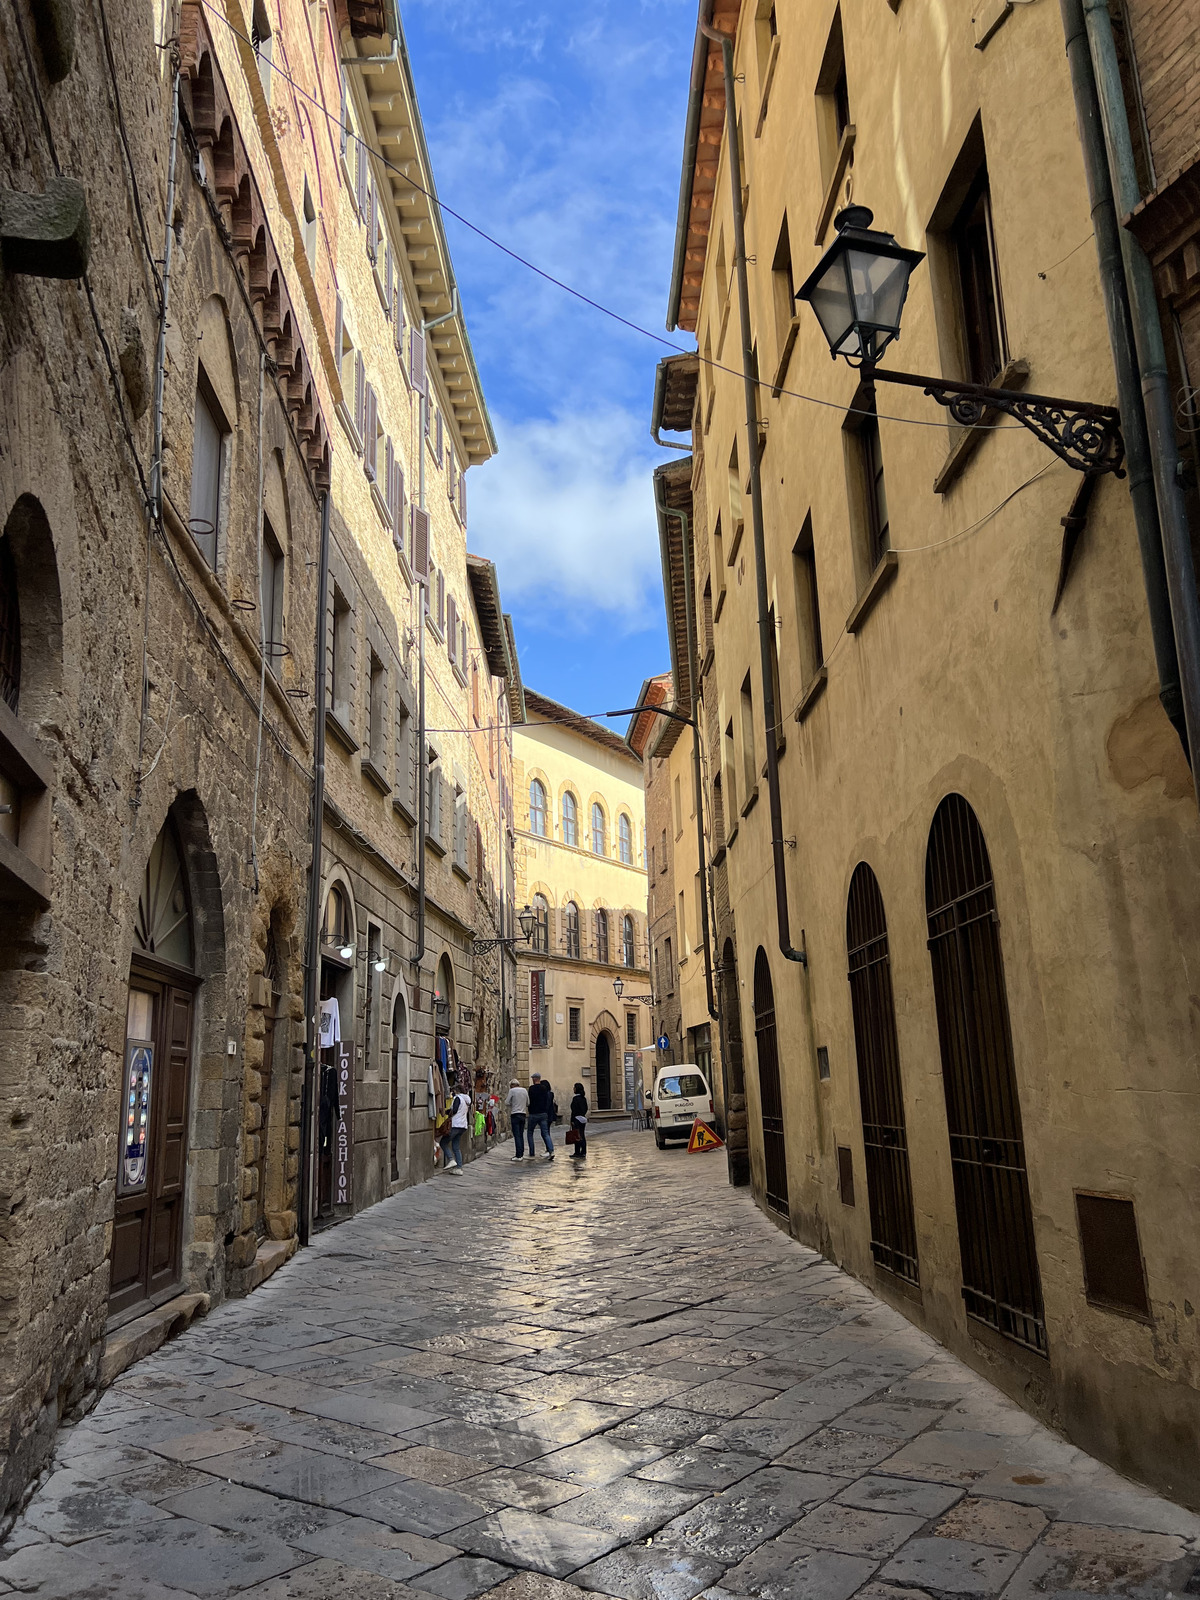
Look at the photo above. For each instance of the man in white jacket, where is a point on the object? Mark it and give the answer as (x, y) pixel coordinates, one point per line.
(518, 1106)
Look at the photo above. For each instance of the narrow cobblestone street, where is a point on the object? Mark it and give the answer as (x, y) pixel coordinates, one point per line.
(534, 1381)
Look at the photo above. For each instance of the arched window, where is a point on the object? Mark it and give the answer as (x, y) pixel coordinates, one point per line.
(770, 1092)
(627, 943)
(572, 929)
(1001, 1283)
(541, 924)
(335, 928)
(885, 1139)
(599, 830)
(570, 823)
(164, 917)
(625, 839)
(602, 937)
(537, 808)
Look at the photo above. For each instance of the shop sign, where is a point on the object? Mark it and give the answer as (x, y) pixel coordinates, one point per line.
(630, 1078)
(343, 1139)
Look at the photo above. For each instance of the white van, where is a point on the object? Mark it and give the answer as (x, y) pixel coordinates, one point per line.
(681, 1094)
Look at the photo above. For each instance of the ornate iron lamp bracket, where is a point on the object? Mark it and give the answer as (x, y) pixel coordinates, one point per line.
(1087, 437)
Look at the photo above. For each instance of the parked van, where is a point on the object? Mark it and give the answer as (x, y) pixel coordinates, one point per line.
(681, 1094)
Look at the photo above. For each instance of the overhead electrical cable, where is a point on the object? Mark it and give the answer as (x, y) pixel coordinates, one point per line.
(569, 289)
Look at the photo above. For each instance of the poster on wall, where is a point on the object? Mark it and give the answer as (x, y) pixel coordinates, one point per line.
(343, 1138)
(137, 1116)
(631, 1061)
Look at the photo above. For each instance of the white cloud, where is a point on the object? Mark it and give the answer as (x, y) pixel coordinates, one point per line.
(566, 511)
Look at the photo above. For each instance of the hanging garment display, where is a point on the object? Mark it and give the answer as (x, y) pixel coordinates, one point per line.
(330, 1032)
(462, 1077)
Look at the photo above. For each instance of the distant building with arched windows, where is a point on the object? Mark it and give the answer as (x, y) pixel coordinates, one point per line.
(580, 831)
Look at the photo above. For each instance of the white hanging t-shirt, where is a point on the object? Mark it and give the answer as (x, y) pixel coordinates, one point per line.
(331, 1025)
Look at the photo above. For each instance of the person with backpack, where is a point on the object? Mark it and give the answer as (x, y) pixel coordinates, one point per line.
(579, 1116)
(460, 1108)
(541, 1109)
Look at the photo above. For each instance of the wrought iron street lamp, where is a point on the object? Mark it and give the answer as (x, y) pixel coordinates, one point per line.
(857, 292)
(619, 990)
(526, 918)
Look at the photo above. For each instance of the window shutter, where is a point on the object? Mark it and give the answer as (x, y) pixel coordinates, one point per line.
(465, 652)
(439, 439)
(420, 546)
(389, 482)
(360, 179)
(387, 275)
(371, 433)
(398, 315)
(360, 392)
(450, 474)
(452, 629)
(462, 496)
(343, 113)
(400, 523)
(338, 335)
(372, 221)
(428, 417)
(416, 360)
(441, 601)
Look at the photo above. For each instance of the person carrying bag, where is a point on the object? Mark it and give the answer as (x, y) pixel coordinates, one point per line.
(451, 1136)
(577, 1133)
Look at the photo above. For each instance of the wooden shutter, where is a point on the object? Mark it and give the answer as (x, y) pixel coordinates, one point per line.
(338, 335)
(389, 481)
(452, 629)
(360, 179)
(420, 545)
(387, 276)
(462, 496)
(371, 434)
(372, 220)
(441, 601)
(360, 392)
(439, 438)
(450, 474)
(398, 314)
(416, 360)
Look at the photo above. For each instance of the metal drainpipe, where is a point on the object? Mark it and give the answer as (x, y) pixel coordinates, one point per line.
(154, 511)
(1152, 357)
(313, 930)
(1120, 335)
(760, 554)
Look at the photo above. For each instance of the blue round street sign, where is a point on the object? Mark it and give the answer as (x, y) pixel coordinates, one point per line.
(663, 1042)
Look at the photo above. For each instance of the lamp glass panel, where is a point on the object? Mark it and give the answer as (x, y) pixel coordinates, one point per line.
(880, 284)
(831, 300)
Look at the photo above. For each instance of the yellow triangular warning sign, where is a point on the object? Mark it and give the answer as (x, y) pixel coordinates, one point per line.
(703, 1137)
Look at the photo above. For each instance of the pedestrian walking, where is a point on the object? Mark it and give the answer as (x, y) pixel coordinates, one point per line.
(541, 1099)
(579, 1116)
(518, 1106)
(450, 1140)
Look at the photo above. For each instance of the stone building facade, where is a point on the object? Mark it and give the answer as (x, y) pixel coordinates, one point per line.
(580, 868)
(988, 852)
(158, 666)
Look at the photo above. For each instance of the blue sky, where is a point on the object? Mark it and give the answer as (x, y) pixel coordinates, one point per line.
(559, 129)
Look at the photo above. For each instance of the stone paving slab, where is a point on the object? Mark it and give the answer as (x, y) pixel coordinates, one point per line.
(571, 1422)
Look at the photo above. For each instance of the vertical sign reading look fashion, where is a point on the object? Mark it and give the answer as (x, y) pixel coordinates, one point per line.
(343, 1147)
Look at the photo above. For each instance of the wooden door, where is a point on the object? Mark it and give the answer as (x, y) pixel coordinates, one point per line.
(603, 1074)
(152, 1158)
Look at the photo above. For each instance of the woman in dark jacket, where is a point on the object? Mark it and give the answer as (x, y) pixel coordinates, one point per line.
(579, 1116)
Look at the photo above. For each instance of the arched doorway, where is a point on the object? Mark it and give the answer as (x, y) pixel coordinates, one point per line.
(398, 1117)
(1001, 1282)
(156, 1082)
(604, 1071)
(770, 1092)
(267, 1132)
(881, 1101)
